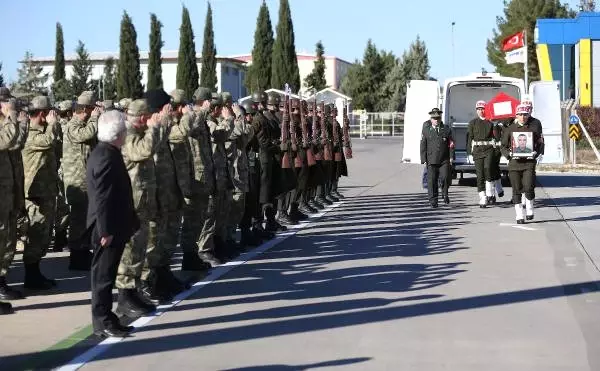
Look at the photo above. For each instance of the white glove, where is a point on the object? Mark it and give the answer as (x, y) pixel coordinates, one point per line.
(470, 159)
(540, 159)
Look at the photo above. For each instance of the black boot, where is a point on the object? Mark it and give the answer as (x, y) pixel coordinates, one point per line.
(60, 241)
(332, 198)
(35, 280)
(324, 201)
(261, 233)
(316, 205)
(249, 239)
(338, 194)
(174, 284)
(130, 305)
(156, 291)
(296, 214)
(80, 259)
(307, 209)
(6, 308)
(7, 292)
(192, 262)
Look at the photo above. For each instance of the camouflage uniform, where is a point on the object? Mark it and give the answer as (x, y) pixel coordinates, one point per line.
(79, 138)
(220, 129)
(41, 185)
(138, 151)
(238, 171)
(199, 217)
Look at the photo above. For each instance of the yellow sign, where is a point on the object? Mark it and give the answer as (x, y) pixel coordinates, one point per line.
(574, 132)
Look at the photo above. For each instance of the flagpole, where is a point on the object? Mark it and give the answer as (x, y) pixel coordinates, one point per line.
(526, 64)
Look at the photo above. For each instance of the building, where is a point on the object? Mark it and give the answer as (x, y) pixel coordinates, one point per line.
(568, 50)
(230, 71)
(335, 68)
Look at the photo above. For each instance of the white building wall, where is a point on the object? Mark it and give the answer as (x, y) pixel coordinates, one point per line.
(596, 73)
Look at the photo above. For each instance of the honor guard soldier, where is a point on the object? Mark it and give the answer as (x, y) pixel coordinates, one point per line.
(522, 155)
(437, 152)
(480, 146)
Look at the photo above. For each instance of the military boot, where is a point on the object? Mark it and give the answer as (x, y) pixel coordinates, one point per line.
(284, 219)
(6, 308)
(324, 201)
(296, 214)
(249, 239)
(307, 209)
(192, 262)
(337, 194)
(80, 259)
(130, 305)
(35, 280)
(173, 283)
(316, 205)
(262, 233)
(156, 291)
(332, 198)
(7, 292)
(60, 241)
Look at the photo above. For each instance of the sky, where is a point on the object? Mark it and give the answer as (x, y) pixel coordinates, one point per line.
(343, 26)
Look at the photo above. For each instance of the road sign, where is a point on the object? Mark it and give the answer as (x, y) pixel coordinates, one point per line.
(574, 131)
(574, 120)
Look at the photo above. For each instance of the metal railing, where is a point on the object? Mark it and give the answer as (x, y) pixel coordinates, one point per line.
(376, 124)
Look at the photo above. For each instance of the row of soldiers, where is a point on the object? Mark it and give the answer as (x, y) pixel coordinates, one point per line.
(199, 170)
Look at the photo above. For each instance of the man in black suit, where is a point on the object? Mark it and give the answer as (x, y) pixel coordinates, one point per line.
(111, 219)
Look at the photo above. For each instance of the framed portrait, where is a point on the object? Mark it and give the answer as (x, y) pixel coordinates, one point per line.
(522, 144)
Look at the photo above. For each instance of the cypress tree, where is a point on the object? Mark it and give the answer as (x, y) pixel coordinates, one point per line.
(1, 76)
(154, 57)
(59, 56)
(258, 76)
(208, 74)
(285, 62)
(129, 77)
(109, 85)
(316, 79)
(82, 70)
(187, 68)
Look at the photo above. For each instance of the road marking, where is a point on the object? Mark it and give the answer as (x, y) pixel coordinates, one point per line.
(106, 344)
(585, 211)
(517, 226)
(570, 261)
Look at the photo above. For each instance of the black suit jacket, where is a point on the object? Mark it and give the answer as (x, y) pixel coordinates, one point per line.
(110, 207)
(437, 146)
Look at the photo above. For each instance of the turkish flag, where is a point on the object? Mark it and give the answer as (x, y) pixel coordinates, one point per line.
(514, 41)
(502, 106)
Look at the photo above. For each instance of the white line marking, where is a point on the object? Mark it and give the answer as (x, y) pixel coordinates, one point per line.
(106, 344)
(585, 211)
(570, 261)
(518, 226)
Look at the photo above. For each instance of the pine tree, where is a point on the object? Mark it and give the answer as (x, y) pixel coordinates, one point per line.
(59, 57)
(258, 77)
(353, 83)
(419, 59)
(82, 70)
(1, 76)
(129, 78)
(154, 57)
(285, 62)
(316, 79)
(109, 83)
(187, 67)
(31, 81)
(522, 15)
(208, 74)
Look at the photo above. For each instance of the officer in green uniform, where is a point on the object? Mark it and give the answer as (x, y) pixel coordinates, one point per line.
(480, 145)
(521, 170)
(437, 151)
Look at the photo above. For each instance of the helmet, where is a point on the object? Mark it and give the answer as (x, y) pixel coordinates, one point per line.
(480, 104)
(273, 99)
(259, 97)
(226, 97)
(523, 109)
(249, 107)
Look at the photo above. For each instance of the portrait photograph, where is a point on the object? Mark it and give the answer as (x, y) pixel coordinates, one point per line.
(522, 144)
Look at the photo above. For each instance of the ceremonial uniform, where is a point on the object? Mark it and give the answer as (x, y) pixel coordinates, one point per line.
(480, 145)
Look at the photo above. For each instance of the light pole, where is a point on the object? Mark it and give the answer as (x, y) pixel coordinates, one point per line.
(453, 62)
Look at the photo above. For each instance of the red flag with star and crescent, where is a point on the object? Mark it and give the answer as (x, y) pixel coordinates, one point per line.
(514, 41)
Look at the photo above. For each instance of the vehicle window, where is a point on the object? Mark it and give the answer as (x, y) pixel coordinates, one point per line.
(461, 98)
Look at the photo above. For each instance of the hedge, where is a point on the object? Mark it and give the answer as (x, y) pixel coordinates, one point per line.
(590, 117)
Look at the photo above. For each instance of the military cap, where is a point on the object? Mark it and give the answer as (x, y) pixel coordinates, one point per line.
(86, 99)
(249, 107)
(138, 107)
(156, 99)
(216, 100)
(435, 113)
(202, 93)
(65, 105)
(226, 97)
(40, 103)
(178, 96)
(5, 94)
(259, 97)
(273, 99)
(124, 103)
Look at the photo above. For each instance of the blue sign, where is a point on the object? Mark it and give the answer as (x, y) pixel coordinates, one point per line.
(574, 120)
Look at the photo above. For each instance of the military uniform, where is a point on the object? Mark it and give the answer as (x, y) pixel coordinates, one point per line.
(480, 145)
(79, 139)
(437, 151)
(41, 189)
(521, 170)
(497, 156)
(65, 109)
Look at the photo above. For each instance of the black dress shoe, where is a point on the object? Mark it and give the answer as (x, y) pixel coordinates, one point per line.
(338, 195)
(324, 201)
(7, 292)
(520, 221)
(6, 308)
(446, 200)
(111, 332)
(434, 205)
(332, 199)
(316, 205)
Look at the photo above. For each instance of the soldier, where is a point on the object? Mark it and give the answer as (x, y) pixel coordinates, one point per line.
(108, 105)
(341, 168)
(302, 171)
(199, 221)
(65, 113)
(316, 173)
(480, 147)
(143, 136)
(497, 156)
(159, 284)
(41, 189)
(437, 152)
(521, 170)
(10, 132)
(536, 123)
(123, 104)
(79, 138)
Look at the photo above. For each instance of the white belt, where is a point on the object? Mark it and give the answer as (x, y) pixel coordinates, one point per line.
(484, 143)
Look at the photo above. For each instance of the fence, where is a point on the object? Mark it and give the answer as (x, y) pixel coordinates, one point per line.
(376, 124)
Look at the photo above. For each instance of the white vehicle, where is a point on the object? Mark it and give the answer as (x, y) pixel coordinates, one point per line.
(457, 101)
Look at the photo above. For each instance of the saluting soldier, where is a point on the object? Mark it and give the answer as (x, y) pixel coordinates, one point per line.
(341, 165)
(521, 170)
(437, 152)
(480, 145)
(65, 113)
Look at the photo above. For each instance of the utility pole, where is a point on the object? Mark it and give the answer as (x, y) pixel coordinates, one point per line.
(453, 59)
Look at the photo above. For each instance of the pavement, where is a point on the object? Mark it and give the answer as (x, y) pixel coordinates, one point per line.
(379, 282)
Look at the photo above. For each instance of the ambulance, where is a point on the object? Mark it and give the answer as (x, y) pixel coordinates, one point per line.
(457, 98)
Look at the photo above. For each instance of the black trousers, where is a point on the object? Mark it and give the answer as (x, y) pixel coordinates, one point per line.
(252, 209)
(484, 170)
(438, 175)
(105, 264)
(522, 181)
